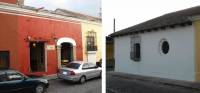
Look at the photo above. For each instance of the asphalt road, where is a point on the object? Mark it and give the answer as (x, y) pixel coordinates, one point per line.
(123, 85)
(60, 86)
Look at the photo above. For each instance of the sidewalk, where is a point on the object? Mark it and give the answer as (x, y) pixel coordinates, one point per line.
(51, 77)
(156, 80)
(48, 77)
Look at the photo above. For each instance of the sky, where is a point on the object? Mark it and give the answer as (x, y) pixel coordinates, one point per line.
(131, 12)
(90, 7)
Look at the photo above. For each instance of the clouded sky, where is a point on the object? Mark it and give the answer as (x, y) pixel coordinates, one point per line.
(90, 7)
(131, 12)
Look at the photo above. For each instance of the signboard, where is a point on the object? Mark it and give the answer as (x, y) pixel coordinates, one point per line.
(51, 47)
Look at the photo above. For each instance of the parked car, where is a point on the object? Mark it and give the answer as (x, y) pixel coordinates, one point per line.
(12, 81)
(79, 71)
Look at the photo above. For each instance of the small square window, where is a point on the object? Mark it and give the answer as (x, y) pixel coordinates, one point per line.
(4, 59)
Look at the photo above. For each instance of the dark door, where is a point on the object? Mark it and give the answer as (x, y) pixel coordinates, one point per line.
(66, 53)
(4, 60)
(37, 56)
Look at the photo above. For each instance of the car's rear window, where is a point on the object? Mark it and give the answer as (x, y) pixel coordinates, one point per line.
(73, 65)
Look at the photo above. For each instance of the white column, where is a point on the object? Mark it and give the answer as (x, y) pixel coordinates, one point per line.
(74, 52)
(59, 55)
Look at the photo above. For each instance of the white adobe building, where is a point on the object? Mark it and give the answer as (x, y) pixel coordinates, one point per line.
(167, 46)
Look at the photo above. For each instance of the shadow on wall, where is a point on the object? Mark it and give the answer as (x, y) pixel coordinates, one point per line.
(110, 64)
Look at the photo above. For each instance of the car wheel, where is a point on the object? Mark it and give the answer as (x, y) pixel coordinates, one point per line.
(82, 79)
(40, 88)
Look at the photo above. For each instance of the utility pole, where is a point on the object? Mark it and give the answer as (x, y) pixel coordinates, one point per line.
(114, 25)
(100, 14)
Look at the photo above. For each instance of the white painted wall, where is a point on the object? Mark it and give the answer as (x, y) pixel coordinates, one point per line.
(91, 56)
(179, 63)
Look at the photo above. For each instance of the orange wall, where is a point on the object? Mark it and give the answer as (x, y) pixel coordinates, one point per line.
(15, 29)
(8, 38)
(9, 1)
(44, 29)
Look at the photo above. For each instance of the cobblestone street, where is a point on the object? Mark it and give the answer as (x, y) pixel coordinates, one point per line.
(117, 84)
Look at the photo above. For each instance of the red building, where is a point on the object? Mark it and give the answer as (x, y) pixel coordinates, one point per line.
(37, 41)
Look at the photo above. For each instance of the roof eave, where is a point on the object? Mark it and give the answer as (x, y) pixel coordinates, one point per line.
(189, 22)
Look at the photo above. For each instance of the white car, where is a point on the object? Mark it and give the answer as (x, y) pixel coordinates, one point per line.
(79, 71)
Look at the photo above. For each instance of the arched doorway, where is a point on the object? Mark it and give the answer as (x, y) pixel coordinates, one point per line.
(66, 53)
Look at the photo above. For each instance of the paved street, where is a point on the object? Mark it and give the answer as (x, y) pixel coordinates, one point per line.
(60, 86)
(115, 84)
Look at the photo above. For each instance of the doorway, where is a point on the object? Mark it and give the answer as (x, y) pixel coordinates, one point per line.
(37, 56)
(66, 53)
(4, 60)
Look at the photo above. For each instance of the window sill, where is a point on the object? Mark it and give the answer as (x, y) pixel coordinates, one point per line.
(91, 52)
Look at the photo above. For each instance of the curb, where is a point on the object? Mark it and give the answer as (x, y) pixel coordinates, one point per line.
(164, 81)
(51, 77)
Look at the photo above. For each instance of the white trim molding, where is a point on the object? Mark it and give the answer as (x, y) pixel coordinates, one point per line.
(66, 39)
(51, 15)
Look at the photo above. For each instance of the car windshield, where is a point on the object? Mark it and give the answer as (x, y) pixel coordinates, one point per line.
(73, 65)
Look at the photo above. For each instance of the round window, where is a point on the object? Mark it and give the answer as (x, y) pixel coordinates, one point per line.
(164, 46)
